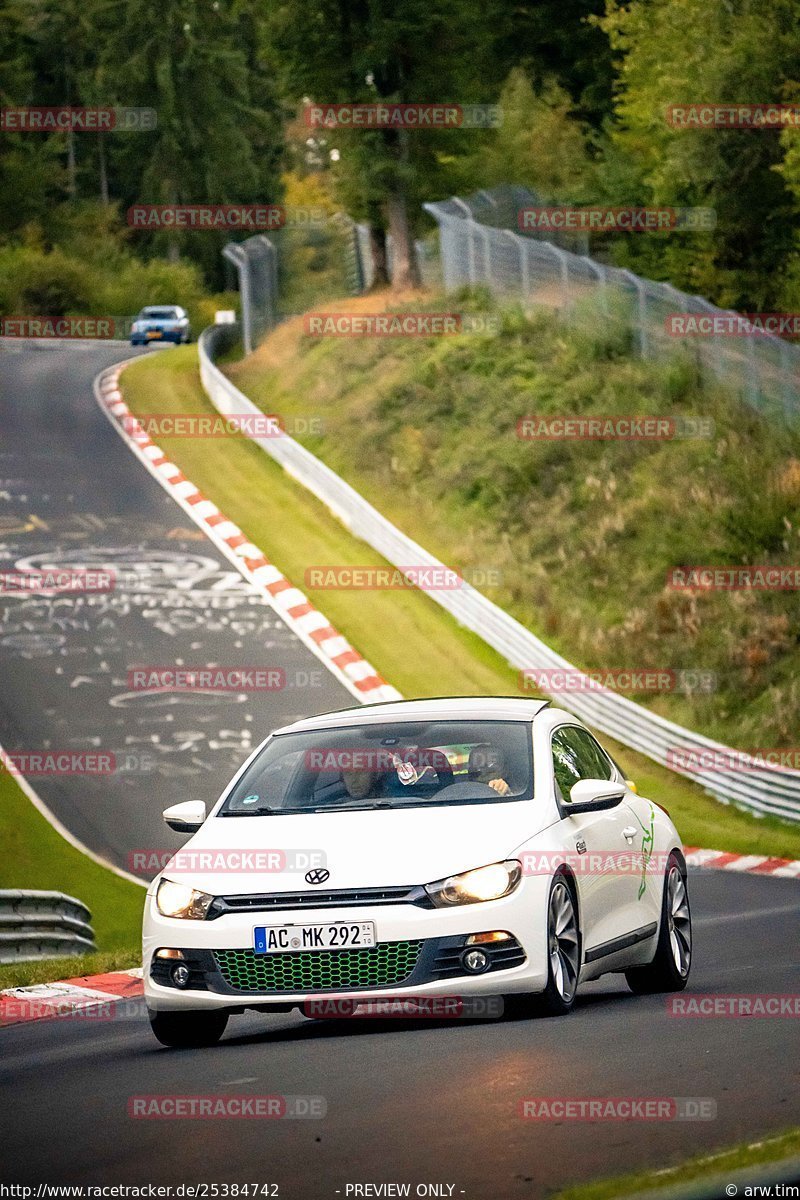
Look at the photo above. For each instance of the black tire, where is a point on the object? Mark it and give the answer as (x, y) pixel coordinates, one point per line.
(669, 970)
(563, 959)
(188, 1030)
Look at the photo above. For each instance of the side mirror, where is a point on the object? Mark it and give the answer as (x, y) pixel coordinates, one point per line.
(594, 795)
(186, 817)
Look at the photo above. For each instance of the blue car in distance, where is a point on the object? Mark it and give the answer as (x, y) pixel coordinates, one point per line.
(161, 323)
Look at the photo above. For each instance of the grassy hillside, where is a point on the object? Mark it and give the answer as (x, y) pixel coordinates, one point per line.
(413, 643)
(582, 533)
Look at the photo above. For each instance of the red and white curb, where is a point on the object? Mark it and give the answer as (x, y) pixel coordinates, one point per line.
(755, 864)
(302, 617)
(91, 996)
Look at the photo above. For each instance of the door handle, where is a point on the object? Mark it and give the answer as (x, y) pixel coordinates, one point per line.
(629, 832)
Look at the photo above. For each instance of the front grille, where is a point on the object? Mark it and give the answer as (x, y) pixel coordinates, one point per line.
(343, 898)
(384, 965)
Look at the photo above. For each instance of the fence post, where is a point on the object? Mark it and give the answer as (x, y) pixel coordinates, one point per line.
(256, 262)
(602, 282)
(355, 263)
(642, 305)
(487, 255)
(788, 392)
(270, 254)
(561, 255)
(524, 270)
(446, 253)
(753, 382)
(234, 253)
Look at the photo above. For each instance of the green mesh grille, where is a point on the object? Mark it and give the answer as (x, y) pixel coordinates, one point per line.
(383, 965)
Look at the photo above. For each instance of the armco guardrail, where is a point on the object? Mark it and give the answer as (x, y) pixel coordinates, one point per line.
(756, 787)
(36, 925)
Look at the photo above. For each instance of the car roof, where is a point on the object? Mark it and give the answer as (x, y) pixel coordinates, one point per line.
(465, 708)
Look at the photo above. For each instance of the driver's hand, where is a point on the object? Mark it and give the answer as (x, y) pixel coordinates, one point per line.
(500, 786)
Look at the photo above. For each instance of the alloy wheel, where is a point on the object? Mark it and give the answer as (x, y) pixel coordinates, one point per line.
(679, 921)
(563, 941)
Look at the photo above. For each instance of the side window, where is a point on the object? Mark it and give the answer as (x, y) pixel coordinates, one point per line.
(603, 767)
(566, 765)
(576, 755)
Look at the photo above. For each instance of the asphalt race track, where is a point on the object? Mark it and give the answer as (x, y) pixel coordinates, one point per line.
(417, 1102)
(425, 1101)
(64, 661)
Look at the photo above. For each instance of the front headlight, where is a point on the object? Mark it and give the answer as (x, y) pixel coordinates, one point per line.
(484, 883)
(180, 900)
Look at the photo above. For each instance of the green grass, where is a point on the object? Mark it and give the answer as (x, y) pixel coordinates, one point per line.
(412, 642)
(582, 532)
(47, 970)
(36, 856)
(709, 1168)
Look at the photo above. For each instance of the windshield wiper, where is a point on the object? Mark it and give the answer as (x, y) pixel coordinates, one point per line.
(354, 807)
(263, 810)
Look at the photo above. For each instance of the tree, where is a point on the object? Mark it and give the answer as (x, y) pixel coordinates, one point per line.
(33, 177)
(683, 51)
(364, 51)
(558, 41)
(201, 66)
(539, 144)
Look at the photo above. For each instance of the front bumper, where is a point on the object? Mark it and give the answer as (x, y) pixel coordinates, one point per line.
(422, 948)
(409, 964)
(142, 339)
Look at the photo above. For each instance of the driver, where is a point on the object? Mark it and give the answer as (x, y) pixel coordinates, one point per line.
(487, 765)
(358, 782)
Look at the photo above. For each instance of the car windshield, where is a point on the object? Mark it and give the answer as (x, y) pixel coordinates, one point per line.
(160, 314)
(392, 765)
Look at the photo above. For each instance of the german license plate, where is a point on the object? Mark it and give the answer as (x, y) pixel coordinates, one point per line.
(153, 333)
(338, 935)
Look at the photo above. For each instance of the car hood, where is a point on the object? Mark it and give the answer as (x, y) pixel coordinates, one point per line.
(383, 847)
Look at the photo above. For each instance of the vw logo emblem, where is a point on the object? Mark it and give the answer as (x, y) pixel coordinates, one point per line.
(317, 876)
